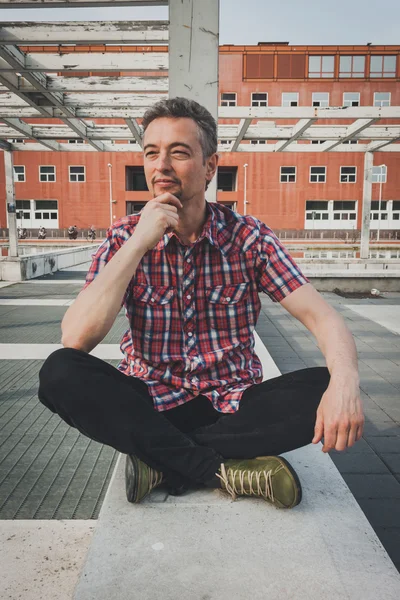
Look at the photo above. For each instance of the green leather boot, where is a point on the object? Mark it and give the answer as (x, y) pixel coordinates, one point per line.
(140, 479)
(269, 477)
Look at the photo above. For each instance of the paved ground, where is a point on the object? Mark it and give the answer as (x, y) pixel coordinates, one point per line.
(49, 471)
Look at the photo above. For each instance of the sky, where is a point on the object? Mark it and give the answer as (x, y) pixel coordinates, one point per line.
(301, 22)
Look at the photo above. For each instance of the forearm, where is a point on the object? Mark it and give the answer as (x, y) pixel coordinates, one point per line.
(336, 343)
(91, 316)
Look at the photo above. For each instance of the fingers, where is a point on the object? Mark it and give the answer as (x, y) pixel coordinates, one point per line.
(318, 431)
(168, 198)
(330, 437)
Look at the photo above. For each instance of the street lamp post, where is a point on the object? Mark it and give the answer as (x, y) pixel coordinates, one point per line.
(245, 188)
(110, 184)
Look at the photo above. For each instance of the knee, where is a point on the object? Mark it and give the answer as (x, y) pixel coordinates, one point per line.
(57, 368)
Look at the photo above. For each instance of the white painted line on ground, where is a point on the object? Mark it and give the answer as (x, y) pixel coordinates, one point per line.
(42, 351)
(113, 352)
(50, 282)
(4, 284)
(35, 302)
(387, 316)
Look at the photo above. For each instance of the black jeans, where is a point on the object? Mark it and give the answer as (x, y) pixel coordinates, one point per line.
(189, 442)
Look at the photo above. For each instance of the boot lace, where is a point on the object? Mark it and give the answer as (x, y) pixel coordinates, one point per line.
(259, 483)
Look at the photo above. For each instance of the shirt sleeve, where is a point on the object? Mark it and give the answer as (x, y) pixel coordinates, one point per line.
(102, 256)
(277, 273)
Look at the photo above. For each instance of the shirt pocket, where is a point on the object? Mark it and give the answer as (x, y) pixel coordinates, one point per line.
(227, 307)
(152, 320)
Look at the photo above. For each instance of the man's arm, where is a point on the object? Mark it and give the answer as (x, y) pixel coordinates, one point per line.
(340, 418)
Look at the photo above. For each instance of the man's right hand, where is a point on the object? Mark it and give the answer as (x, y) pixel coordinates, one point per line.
(159, 214)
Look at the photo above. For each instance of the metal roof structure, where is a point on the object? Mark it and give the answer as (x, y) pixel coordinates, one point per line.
(122, 80)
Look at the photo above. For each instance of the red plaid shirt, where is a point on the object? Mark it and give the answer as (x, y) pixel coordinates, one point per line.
(192, 309)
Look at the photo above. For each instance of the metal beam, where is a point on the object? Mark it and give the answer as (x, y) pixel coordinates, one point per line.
(297, 132)
(89, 61)
(308, 112)
(78, 3)
(366, 205)
(135, 130)
(98, 83)
(5, 145)
(373, 147)
(84, 32)
(352, 130)
(26, 129)
(243, 127)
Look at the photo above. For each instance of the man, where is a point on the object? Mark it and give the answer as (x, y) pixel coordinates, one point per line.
(187, 403)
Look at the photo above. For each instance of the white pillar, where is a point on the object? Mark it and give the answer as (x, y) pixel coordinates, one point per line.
(366, 205)
(193, 56)
(10, 203)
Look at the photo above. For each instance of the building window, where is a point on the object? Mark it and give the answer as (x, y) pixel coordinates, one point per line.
(133, 208)
(77, 174)
(348, 174)
(320, 99)
(47, 173)
(290, 99)
(17, 140)
(226, 142)
(226, 179)
(382, 99)
(228, 99)
(344, 210)
(350, 142)
(135, 180)
(321, 66)
(19, 173)
(23, 208)
(76, 141)
(46, 210)
(317, 174)
(351, 99)
(288, 174)
(318, 141)
(383, 66)
(352, 66)
(317, 210)
(379, 174)
(258, 142)
(259, 99)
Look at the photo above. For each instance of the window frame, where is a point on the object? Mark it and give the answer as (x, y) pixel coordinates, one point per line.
(259, 105)
(383, 172)
(320, 74)
(228, 102)
(381, 74)
(47, 174)
(381, 105)
(77, 174)
(288, 174)
(318, 174)
(319, 105)
(289, 106)
(348, 174)
(352, 74)
(350, 105)
(16, 175)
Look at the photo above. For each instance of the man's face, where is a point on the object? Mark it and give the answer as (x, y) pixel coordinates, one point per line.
(173, 158)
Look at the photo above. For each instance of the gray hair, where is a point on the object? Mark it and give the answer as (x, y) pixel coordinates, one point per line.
(175, 108)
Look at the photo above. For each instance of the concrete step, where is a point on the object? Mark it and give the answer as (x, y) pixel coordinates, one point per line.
(204, 546)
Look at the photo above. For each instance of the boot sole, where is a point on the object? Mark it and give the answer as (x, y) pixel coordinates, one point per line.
(289, 469)
(131, 478)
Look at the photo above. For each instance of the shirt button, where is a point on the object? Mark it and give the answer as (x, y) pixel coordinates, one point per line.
(188, 296)
(152, 300)
(188, 260)
(190, 334)
(227, 299)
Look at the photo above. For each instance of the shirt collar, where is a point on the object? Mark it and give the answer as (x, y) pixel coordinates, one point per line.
(209, 230)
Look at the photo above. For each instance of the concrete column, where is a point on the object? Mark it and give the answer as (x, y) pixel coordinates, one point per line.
(193, 56)
(366, 205)
(10, 202)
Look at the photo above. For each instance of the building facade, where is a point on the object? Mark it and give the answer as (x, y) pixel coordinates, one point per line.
(286, 190)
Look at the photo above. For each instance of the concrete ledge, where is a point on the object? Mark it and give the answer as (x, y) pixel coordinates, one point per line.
(204, 546)
(354, 282)
(30, 266)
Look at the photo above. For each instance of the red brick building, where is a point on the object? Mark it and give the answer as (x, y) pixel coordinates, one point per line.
(287, 190)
